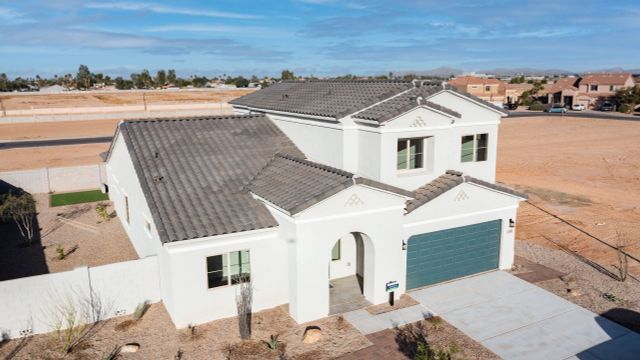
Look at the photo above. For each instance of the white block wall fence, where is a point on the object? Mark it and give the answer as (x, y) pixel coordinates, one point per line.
(57, 179)
(112, 290)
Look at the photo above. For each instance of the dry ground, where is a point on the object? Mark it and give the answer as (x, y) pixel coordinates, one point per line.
(51, 156)
(585, 171)
(158, 339)
(59, 130)
(86, 242)
(23, 101)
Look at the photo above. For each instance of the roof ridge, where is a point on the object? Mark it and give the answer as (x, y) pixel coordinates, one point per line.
(315, 165)
(348, 80)
(191, 118)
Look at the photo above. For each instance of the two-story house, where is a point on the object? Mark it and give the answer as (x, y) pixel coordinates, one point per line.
(589, 90)
(488, 89)
(389, 182)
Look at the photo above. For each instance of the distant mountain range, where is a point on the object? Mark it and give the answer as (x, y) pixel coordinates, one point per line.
(505, 72)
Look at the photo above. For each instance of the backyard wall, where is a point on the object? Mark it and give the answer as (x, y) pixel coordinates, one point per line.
(59, 179)
(115, 289)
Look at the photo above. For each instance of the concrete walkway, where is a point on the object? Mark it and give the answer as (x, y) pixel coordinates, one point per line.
(368, 324)
(518, 320)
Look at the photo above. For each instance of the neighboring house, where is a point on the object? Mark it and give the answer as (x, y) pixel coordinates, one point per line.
(389, 181)
(589, 90)
(488, 89)
(513, 92)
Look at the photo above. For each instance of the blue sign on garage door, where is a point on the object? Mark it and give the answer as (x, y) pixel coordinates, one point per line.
(449, 254)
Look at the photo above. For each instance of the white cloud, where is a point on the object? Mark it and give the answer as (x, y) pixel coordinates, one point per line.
(163, 9)
(9, 16)
(218, 29)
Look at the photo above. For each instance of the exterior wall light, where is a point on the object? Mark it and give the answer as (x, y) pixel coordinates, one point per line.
(512, 223)
(404, 245)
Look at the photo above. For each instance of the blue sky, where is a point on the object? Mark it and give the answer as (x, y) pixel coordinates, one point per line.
(321, 37)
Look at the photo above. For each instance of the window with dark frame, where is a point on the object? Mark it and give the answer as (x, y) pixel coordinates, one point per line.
(474, 147)
(410, 154)
(593, 87)
(228, 269)
(335, 252)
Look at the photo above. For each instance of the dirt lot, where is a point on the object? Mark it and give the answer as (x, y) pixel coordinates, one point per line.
(51, 156)
(582, 171)
(60, 130)
(158, 339)
(23, 101)
(75, 228)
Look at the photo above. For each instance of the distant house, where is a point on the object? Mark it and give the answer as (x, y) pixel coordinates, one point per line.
(589, 90)
(53, 89)
(513, 92)
(488, 89)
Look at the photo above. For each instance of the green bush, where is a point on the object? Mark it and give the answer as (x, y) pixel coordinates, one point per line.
(624, 108)
(536, 106)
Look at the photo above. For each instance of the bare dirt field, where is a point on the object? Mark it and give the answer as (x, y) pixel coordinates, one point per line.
(585, 176)
(60, 130)
(85, 239)
(25, 101)
(158, 339)
(51, 156)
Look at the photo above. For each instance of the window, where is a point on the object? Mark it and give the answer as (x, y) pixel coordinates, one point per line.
(593, 87)
(474, 147)
(126, 208)
(228, 269)
(612, 87)
(487, 88)
(335, 252)
(410, 154)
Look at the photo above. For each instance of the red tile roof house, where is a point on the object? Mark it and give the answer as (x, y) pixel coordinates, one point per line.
(488, 89)
(391, 183)
(589, 90)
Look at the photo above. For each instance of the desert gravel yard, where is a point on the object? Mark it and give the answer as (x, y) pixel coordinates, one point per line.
(77, 231)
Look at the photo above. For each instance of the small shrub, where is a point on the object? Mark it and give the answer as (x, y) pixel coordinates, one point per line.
(112, 355)
(611, 297)
(272, 343)
(625, 108)
(436, 322)
(60, 254)
(140, 310)
(101, 211)
(424, 352)
(536, 106)
(178, 355)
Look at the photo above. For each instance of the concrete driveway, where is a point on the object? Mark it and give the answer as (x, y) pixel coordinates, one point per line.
(518, 320)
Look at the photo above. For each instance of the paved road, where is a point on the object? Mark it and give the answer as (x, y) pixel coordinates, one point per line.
(518, 320)
(54, 142)
(581, 114)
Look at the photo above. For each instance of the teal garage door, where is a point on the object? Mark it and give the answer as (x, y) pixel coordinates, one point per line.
(449, 254)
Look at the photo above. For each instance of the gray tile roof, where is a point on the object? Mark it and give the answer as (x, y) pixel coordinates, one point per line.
(325, 98)
(404, 102)
(193, 171)
(448, 181)
(475, 98)
(294, 184)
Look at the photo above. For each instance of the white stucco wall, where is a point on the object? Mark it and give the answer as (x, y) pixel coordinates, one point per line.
(191, 302)
(122, 181)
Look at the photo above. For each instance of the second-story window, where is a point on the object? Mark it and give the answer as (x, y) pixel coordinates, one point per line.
(410, 154)
(474, 147)
(593, 87)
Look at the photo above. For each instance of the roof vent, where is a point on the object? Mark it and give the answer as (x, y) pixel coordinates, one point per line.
(156, 155)
(158, 178)
(419, 100)
(285, 96)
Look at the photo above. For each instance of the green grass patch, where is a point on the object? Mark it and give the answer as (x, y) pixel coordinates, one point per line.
(77, 197)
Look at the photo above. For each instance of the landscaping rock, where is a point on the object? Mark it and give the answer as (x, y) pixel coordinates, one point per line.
(311, 334)
(130, 348)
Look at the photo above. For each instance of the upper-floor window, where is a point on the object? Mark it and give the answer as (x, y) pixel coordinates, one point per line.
(487, 88)
(410, 154)
(228, 269)
(593, 87)
(612, 87)
(474, 147)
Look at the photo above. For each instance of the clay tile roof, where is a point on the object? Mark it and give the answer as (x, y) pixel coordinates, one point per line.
(325, 98)
(193, 171)
(606, 79)
(448, 181)
(295, 184)
(475, 80)
(404, 102)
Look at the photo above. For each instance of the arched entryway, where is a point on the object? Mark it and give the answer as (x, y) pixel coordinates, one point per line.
(350, 273)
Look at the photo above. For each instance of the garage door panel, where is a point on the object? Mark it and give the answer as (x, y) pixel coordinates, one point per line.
(452, 253)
